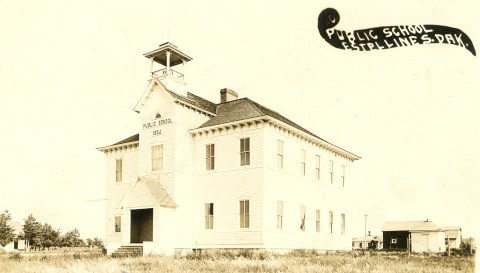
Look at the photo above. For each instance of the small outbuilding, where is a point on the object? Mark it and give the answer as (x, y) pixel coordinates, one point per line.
(18, 243)
(416, 236)
(368, 242)
(453, 237)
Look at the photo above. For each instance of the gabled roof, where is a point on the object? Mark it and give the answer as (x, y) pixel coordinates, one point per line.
(410, 226)
(17, 227)
(245, 108)
(154, 187)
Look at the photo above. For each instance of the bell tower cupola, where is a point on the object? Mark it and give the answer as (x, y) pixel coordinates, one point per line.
(168, 63)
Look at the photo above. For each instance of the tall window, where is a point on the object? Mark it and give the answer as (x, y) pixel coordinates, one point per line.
(279, 214)
(317, 167)
(208, 215)
(244, 214)
(343, 223)
(330, 221)
(244, 151)
(157, 157)
(280, 154)
(118, 224)
(210, 156)
(302, 217)
(317, 220)
(343, 175)
(118, 170)
(303, 161)
(331, 171)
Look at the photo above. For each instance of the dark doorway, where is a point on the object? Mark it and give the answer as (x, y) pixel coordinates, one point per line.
(141, 225)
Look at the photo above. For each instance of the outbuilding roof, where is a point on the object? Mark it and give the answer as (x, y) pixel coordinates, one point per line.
(452, 231)
(410, 226)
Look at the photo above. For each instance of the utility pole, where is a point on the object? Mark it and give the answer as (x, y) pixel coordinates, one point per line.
(365, 233)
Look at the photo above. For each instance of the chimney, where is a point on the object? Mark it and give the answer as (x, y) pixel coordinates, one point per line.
(227, 95)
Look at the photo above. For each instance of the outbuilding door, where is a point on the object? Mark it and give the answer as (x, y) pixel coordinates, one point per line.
(424, 243)
(141, 225)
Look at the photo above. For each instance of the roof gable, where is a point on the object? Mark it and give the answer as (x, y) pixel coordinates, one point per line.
(147, 190)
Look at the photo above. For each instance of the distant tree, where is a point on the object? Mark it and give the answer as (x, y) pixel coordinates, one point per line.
(95, 242)
(51, 237)
(72, 239)
(33, 232)
(6, 231)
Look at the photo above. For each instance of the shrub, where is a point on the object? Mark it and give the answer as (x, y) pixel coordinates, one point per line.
(16, 256)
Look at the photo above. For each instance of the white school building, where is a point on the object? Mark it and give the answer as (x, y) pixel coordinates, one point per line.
(226, 174)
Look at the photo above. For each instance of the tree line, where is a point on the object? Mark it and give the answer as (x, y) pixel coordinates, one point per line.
(41, 236)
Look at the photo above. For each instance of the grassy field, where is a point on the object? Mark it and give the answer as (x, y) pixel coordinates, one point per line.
(233, 261)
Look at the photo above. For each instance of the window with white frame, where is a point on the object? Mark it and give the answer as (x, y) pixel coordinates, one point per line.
(303, 161)
(343, 175)
(244, 213)
(210, 156)
(279, 214)
(302, 217)
(244, 151)
(118, 170)
(330, 221)
(157, 157)
(208, 215)
(317, 167)
(118, 224)
(331, 171)
(343, 223)
(280, 154)
(317, 220)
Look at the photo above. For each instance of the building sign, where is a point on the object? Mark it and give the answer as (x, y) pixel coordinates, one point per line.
(156, 123)
(379, 38)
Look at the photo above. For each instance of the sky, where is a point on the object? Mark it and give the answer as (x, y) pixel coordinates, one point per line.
(71, 73)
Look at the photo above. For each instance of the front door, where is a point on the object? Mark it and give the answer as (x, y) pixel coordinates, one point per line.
(141, 225)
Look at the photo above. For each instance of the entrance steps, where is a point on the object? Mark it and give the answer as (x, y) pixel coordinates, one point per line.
(128, 251)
